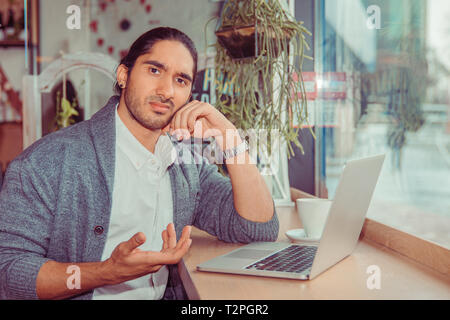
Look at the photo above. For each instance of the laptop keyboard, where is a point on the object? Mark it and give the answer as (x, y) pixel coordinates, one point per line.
(294, 258)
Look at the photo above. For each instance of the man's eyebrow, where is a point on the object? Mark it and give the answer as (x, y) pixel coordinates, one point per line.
(163, 67)
(156, 64)
(186, 76)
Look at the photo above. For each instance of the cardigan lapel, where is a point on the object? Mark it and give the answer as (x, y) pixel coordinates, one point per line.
(103, 135)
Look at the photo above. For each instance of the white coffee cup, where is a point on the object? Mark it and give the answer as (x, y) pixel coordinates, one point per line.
(313, 213)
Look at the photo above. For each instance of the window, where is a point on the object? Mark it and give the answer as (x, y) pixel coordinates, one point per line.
(382, 74)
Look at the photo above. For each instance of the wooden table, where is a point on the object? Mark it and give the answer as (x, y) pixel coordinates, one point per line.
(401, 277)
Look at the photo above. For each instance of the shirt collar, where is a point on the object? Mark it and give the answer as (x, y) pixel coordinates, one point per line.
(163, 157)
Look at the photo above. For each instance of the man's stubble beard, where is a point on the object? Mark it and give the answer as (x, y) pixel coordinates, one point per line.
(144, 115)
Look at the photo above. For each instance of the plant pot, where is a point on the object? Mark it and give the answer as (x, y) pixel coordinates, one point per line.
(240, 42)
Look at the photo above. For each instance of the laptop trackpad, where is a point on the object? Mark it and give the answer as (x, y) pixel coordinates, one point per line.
(249, 254)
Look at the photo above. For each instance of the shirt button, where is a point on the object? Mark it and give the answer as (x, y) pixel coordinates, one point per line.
(98, 230)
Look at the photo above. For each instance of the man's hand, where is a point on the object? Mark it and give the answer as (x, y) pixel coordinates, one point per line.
(128, 262)
(200, 120)
(252, 198)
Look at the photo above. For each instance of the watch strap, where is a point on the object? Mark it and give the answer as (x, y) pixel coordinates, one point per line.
(233, 152)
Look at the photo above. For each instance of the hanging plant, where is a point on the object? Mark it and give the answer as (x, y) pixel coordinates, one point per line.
(258, 67)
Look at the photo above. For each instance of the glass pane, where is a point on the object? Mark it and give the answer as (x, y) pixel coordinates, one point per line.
(383, 85)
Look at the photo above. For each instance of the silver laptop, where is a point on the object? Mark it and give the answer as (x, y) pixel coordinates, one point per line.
(339, 238)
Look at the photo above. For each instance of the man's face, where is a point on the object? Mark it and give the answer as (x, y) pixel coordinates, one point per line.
(159, 84)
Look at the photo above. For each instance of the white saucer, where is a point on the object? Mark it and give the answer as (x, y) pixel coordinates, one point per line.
(299, 235)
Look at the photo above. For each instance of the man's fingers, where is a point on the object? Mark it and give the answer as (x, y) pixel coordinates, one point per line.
(185, 116)
(134, 242)
(165, 238)
(131, 262)
(182, 248)
(185, 245)
(172, 236)
(179, 121)
(169, 237)
(186, 233)
(171, 255)
(185, 241)
(195, 114)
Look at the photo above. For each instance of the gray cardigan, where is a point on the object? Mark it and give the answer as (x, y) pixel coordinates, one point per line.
(55, 204)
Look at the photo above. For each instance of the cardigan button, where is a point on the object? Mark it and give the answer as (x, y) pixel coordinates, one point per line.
(98, 230)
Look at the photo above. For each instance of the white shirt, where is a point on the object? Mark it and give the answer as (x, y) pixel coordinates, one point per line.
(142, 201)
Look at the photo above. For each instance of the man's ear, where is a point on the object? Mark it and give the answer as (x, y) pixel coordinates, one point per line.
(122, 75)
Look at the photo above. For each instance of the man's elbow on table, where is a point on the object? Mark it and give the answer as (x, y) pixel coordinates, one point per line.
(258, 231)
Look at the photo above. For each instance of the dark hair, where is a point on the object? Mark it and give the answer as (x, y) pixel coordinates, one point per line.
(146, 41)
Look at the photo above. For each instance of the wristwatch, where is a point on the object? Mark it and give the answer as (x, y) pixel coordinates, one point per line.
(233, 152)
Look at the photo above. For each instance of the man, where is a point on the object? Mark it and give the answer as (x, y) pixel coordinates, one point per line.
(105, 200)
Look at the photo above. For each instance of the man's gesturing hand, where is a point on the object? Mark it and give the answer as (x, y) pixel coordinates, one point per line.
(128, 262)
